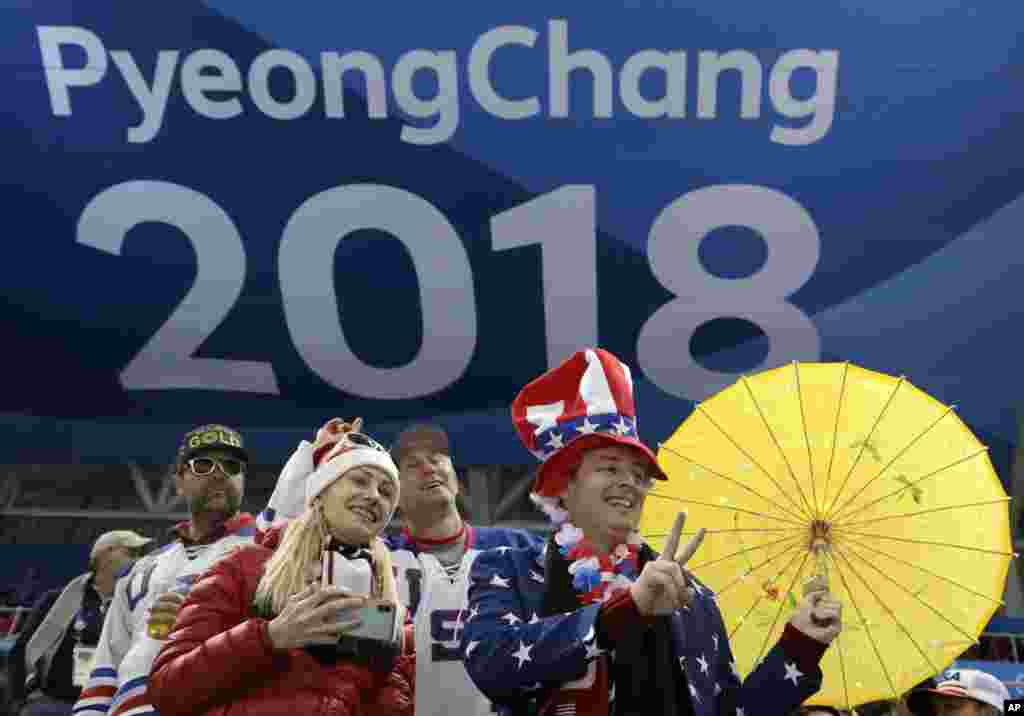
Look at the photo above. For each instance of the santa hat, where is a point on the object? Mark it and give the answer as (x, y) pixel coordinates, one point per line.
(585, 403)
(352, 450)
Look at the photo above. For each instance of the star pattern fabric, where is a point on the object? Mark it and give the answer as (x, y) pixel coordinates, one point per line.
(498, 581)
(508, 648)
(553, 437)
(523, 654)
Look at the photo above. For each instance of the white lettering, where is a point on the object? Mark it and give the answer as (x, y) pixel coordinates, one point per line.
(561, 63)
(673, 66)
(444, 105)
(58, 77)
(447, 297)
(821, 106)
(212, 83)
(712, 65)
(152, 101)
(303, 81)
(480, 72)
(564, 223)
(334, 69)
(196, 81)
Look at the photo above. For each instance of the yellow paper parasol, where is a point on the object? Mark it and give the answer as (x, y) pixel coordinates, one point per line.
(830, 469)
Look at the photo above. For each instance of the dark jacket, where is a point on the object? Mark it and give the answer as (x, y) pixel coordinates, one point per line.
(85, 627)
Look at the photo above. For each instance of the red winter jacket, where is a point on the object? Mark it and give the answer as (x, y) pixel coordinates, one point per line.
(218, 659)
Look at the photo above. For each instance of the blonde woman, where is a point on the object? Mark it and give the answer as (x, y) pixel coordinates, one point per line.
(270, 629)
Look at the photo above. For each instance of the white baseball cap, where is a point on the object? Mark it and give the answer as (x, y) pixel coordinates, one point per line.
(117, 538)
(967, 684)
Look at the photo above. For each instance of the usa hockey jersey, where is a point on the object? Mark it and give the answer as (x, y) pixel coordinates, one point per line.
(437, 600)
(512, 653)
(125, 653)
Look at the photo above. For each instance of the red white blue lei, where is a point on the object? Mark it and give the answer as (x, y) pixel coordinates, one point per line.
(595, 576)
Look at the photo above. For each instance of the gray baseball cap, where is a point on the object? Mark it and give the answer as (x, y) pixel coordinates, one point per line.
(421, 436)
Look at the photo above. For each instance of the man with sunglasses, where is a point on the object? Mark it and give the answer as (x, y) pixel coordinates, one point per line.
(209, 472)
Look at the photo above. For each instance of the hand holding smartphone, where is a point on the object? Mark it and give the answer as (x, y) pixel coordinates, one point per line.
(379, 620)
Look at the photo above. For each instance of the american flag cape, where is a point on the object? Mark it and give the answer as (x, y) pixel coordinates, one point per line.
(513, 654)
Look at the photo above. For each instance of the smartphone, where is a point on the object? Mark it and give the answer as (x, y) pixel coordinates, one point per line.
(379, 621)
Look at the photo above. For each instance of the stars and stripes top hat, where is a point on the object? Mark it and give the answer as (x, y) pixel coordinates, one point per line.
(584, 403)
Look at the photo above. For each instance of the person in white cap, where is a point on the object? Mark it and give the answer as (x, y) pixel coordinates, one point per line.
(257, 636)
(433, 554)
(960, 692)
(51, 658)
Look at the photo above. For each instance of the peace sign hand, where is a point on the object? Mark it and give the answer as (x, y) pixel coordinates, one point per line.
(661, 588)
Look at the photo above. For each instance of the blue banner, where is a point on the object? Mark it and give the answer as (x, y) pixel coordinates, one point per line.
(267, 215)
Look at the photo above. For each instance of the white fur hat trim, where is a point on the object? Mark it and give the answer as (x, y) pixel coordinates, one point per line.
(330, 470)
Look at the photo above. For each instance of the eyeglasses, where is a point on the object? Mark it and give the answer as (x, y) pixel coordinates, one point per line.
(203, 466)
(364, 440)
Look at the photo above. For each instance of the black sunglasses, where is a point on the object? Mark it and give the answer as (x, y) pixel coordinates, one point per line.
(363, 440)
(203, 466)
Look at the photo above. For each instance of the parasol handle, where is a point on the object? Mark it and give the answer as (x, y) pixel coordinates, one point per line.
(820, 578)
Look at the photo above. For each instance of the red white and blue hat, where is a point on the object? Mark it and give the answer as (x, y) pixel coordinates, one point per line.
(586, 402)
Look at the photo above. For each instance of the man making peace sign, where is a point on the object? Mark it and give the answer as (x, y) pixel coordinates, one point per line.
(595, 623)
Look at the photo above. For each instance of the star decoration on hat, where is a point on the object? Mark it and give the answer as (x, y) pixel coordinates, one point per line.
(622, 427)
(592, 651)
(523, 653)
(498, 581)
(474, 612)
(792, 673)
(511, 618)
(555, 443)
(703, 664)
(586, 427)
(534, 619)
(536, 576)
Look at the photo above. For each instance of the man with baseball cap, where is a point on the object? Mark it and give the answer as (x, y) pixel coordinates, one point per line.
(51, 658)
(209, 472)
(960, 692)
(434, 554)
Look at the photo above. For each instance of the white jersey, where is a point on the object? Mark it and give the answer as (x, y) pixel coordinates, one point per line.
(439, 603)
(125, 653)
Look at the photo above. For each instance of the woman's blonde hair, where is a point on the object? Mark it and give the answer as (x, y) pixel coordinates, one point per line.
(305, 538)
